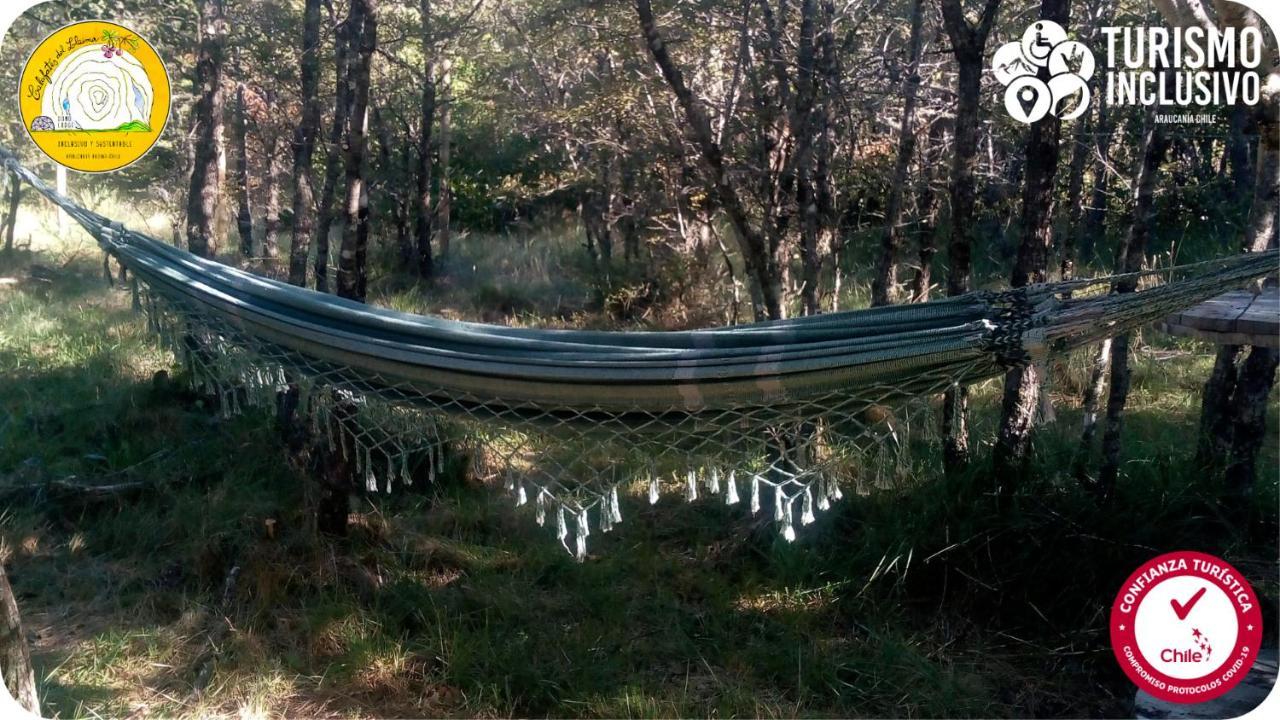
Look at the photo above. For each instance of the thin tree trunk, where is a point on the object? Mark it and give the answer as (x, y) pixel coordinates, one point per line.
(1133, 255)
(1080, 151)
(352, 271)
(927, 227)
(1098, 366)
(304, 145)
(244, 215)
(968, 43)
(446, 139)
(1021, 384)
(15, 660)
(884, 287)
(347, 33)
(756, 253)
(11, 220)
(424, 204)
(271, 220)
(205, 187)
(1093, 225)
(1242, 175)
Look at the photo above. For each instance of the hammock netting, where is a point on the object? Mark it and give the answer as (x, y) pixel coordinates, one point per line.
(774, 415)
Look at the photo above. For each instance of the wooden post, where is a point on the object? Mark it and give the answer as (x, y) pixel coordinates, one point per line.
(15, 662)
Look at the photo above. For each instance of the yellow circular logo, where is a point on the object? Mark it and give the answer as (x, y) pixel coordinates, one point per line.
(94, 96)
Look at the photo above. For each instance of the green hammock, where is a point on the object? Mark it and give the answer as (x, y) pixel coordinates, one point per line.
(795, 407)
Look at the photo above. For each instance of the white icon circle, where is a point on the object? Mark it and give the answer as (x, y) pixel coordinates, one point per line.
(1186, 627)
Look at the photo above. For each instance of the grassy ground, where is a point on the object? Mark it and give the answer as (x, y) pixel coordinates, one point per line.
(925, 601)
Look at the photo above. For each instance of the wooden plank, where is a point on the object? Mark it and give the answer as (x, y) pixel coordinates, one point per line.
(1235, 318)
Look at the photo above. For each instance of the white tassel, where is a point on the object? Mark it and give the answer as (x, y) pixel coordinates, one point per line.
(615, 508)
(653, 489)
(541, 514)
(583, 531)
(788, 532)
(562, 528)
(691, 487)
(714, 482)
(521, 497)
(777, 504)
(755, 494)
(731, 497)
(807, 516)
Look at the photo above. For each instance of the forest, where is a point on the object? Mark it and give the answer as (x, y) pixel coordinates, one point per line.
(640, 166)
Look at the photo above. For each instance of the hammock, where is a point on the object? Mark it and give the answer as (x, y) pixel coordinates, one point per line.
(785, 411)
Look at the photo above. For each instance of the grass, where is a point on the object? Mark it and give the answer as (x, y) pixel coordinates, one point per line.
(927, 600)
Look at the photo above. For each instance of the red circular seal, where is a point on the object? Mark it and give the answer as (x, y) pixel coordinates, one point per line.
(1186, 627)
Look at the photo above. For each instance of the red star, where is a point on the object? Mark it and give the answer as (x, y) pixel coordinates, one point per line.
(1195, 632)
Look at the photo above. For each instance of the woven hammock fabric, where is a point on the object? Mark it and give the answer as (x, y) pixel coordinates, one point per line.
(781, 412)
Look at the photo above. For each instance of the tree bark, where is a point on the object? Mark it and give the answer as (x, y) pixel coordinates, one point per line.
(352, 270)
(244, 214)
(884, 287)
(1132, 257)
(304, 145)
(1021, 384)
(423, 207)
(968, 43)
(15, 661)
(205, 187)
(347, 33)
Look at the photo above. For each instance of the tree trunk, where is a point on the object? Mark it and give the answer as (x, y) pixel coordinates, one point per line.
(757, 255)
(1021, 384)
(1080, 151)
(446, 139)
(1132, 257)
(15, 661)
(352, 270)
(271, 221)
(1098, 366)
(244, 215)
(304, 145)
(884, 287)
(348, 31)
(1093, 224)
(968, 43)
(424, 205)
(390, 185)
(1242, 176)
(205, 187)
(927, 225)
(11, 220)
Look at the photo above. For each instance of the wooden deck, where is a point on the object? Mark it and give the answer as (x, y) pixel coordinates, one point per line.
(1236, 318)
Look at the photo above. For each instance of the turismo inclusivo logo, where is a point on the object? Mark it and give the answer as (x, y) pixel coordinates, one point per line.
(1044, 52)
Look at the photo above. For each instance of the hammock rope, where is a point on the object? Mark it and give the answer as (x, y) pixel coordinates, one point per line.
(781, 413)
